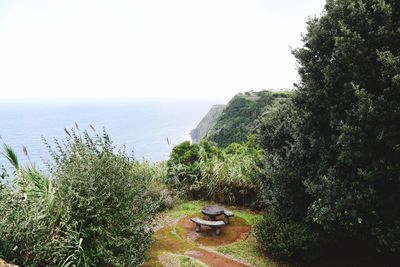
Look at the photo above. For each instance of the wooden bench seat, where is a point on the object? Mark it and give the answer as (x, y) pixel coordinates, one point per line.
(227, 215)
(214, 224)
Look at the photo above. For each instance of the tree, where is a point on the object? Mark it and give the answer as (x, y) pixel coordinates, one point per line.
(336, 165)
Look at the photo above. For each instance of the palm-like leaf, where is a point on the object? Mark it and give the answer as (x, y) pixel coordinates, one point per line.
(40, 186)
(34, 183)
(11, 156)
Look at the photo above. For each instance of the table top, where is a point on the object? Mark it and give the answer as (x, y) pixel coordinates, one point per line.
(212, 210)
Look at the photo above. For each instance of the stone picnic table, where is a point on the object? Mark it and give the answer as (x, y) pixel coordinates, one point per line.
(212, 212)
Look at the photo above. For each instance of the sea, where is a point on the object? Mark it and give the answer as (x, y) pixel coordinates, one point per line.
(150, 128)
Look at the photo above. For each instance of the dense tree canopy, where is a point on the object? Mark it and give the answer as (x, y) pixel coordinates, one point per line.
(333, 152)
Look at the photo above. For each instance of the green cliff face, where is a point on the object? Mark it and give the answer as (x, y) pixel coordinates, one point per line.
(238, 118)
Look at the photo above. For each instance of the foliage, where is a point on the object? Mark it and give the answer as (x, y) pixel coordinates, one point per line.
(96, 210)
(281, 238)
(333, 150)
(223, 175)
(164, 197)
(29, 232)
(103, 194)
(231, 176)
(156, 191)
(238, 119)
(183, 167)
(283, 188)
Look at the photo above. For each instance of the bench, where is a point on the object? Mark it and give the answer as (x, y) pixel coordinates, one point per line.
(213, 224)
(227, 215)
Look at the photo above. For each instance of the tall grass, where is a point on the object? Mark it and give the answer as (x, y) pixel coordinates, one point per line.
(226, 175)
(29, 222)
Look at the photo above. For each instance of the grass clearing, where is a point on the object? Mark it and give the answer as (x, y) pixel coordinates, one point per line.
(186, 261)
(248, 251)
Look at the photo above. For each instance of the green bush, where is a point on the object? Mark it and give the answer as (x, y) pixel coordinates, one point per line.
(287, 239)
(96, 210)
(102, 194)
(31, 229)
(162, 195)
(184, 169)
(155, 175)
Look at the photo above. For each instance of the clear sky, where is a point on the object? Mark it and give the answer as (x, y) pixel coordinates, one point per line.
(149, 48)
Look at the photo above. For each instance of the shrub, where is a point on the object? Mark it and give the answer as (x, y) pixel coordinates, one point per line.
(155, 174)
(31, 232)
(226, 175)
(287, 239)
(163, 196)
(102, 194)
(94, 211)
(183, 168)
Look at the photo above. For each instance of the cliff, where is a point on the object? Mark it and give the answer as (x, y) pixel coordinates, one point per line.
(233, 122)
(206, 123)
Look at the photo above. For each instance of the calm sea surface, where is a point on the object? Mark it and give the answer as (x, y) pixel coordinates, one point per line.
(143, 126)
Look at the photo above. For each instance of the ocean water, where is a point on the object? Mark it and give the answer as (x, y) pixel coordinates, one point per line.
(141, 126)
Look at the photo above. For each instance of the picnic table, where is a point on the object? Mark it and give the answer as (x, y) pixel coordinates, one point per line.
(212, 212)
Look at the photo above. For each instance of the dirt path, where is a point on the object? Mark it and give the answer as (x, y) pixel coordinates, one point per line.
(213, 259)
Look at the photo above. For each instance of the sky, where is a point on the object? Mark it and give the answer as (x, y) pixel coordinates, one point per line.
(123, 49)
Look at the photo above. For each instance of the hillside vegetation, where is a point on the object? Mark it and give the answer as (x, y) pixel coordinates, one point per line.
(226, 175)
(239, 117)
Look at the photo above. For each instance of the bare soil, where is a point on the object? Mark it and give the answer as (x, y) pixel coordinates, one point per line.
(213, 259)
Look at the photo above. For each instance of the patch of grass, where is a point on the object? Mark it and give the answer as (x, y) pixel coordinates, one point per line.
(250, 217)
(165, 240)
(175, 260)
(186, 208)
(247, 251)
(186, 261)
